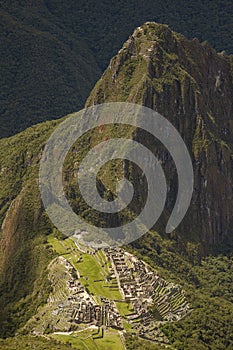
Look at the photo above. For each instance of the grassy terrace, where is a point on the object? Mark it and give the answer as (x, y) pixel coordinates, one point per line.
(124, 308)
(93, 269)
(92, 340)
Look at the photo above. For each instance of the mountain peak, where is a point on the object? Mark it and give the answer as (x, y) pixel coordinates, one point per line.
(191, 85)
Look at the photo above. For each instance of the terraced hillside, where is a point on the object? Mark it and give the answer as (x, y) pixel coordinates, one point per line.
(105, 291)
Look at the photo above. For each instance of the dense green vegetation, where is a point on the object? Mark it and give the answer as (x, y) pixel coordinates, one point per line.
(135, 343)
(47, 71)
(191, 18)
(25, 256)
(53, 51)
(208, 286)
(31, 343)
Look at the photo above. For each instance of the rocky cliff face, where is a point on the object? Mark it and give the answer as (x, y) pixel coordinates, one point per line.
(191, 85)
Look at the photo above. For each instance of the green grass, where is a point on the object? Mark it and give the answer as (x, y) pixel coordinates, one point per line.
(57, 245)
(89, 340)
(31, 343)
(127, 327)
(110, 341)
(124, 308)
(93, 269)
(78, 342)
(96, 283)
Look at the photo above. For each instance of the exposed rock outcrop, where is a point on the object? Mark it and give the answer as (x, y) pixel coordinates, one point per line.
(192, 86)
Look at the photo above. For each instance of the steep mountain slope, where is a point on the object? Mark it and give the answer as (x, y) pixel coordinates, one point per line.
(191, 85)
(24, 255)
(52, 51)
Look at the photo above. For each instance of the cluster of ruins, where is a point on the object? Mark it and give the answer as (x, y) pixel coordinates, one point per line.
(80, 307)
(152, 299)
